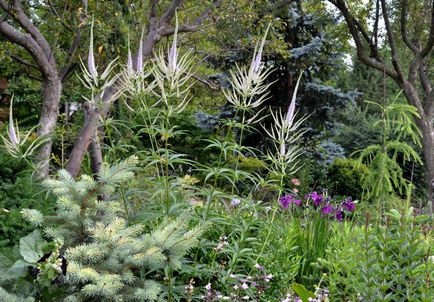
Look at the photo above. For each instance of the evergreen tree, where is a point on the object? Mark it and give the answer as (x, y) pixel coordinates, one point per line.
(107, 258)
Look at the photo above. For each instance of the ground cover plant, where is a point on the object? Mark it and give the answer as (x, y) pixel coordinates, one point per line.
(164, 199)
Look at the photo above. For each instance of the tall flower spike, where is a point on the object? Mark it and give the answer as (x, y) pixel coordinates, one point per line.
(12, 133)
(130, 69)
(91, 59)
(140, 55)
(257, 56)
(289, 119)
(173, 53)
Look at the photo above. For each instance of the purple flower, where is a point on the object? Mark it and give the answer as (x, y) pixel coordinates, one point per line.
(297, 201)
(285, 200)
(12, 133)
(316, 198)
(235, 202)
(328, 209)
(259, 267)
(339, 214)
(349, 205)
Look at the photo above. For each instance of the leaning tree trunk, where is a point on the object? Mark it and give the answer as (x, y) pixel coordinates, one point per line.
(51, 92)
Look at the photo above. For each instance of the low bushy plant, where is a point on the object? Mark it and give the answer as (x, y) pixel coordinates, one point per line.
(389, 262)
(345, 176)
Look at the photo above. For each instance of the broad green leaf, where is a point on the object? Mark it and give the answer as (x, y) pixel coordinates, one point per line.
(19, 268)
(31, 247)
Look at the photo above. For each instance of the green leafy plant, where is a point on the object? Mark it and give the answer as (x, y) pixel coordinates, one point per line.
(108, 259)
(390, 262)
(345, 176)
(385, 176)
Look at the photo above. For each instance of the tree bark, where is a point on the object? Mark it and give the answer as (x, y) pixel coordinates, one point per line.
(428, 154)
(95, 152)
(83, 140)
(52, 90)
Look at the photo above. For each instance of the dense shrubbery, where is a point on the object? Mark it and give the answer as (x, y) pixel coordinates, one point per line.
(18, 190)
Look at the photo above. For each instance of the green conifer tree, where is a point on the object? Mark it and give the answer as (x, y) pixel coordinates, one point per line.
(109, 259)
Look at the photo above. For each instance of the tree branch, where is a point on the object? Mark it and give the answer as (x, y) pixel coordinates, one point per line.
(170, 12)
(354, 31)
(74, 46)
(391, 39)
(377, 18)
(19, 15)
(423, 77)
(430, 44)
(404, 34)
(30, 45)
(24, 62)
(58, 16)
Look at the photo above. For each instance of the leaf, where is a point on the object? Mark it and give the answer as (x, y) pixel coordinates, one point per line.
(19, 269)
(302, 292)
(5, 262)
(31, 247)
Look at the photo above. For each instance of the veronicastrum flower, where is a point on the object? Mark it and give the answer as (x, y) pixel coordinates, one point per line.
(95, 82)
(14, 142)
(172, 76)
(173, 52)
(135, 82)
(91, 67)
(140, 55)
(285, 131)
(248, 88)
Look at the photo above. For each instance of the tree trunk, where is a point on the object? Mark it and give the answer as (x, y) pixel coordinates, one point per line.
(95, 152)
(424, 123)
(51, 92)
(83, 139)
(428, 154)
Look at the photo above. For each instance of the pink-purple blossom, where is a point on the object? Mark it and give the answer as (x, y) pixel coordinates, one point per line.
(316, 198)
(349, 205)
(339, 214)
(327, 206)
(328, 209)
(287, 199)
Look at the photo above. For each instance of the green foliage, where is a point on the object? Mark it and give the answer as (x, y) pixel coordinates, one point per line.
(345, 177)
(18, 190)
(390, 262)
(313, 236)
(108, 258)
(385, 175)
(302, 292)
(35, 255)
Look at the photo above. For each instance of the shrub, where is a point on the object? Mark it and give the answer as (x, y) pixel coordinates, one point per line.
(346, 177)
(18, 190)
